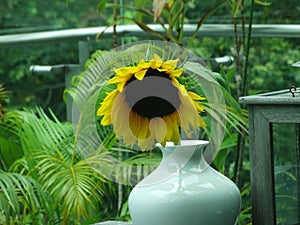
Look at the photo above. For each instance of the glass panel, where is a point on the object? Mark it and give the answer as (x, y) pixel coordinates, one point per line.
(286, 173)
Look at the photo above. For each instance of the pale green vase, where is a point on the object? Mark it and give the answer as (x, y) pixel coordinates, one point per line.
(185, 190)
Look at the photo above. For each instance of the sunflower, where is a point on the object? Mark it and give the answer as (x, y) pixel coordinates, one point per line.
(149, 105)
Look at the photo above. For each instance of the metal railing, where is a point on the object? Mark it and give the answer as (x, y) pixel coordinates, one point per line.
(89, 34)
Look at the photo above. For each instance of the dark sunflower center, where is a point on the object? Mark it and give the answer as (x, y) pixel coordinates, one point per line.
(154, 96)
(152, 106)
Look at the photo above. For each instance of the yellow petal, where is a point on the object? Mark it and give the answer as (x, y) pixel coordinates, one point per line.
(107, 103)
(120, 115)
(175, 82)
(162, 70)
(138, 124)
(158, 128)
(121, 86)
(180, 87)
(199, 107)
(117, 79)
(175, 135)
(156, 62)
(163, 143)
(125, 71)
(121, 124)
(175, 116)
(172, 128)
(170, 64)
(184, 115)
(188, 113)
(134, 123)
(144, 129)
(169, 122)
(110, 97)
(103, 109)
(140, 74)
(106, 120)
(143, 65)
(129, 139)
(195, 96)
(146, 144)
(119, 105)
(157, 58)
(201, 122)
(188, 103)
(176, 73)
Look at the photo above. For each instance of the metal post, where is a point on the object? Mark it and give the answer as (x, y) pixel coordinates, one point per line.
(73, 70)
(84, 52)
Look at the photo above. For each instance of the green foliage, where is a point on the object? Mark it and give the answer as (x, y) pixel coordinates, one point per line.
(273, 71)
(31, 146)
(58, 167)
(171, 15)
(14, 67)
(10, 150)
(45, 15)
(22, 200)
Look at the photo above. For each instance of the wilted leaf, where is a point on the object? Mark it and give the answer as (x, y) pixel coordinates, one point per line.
(158, 6)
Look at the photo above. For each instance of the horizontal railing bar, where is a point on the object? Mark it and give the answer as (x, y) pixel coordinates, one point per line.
(207, 30)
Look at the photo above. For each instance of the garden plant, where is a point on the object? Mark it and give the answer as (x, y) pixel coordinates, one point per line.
(44, 179)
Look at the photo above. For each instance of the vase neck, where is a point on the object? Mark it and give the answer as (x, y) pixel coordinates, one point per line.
(188, 156)
(185, 156)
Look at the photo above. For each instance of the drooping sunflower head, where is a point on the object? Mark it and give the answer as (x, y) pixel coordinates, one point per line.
(150, 105)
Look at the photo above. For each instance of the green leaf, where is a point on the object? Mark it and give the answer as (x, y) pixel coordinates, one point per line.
(263, 3)
(20, 192)
(229, 142)
(101, 5)
(10, 151)
(6, 209)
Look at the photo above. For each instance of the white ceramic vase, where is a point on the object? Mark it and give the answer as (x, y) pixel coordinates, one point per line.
(185, 190)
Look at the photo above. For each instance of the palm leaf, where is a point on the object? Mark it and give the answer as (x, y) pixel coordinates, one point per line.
(74, 185)
(3, 93)
(67, 164)
(21, 195)
(37, 131)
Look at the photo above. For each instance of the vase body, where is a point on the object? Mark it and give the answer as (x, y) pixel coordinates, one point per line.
(185, 190)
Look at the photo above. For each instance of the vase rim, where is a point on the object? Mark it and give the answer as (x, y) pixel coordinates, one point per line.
(185, 143)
